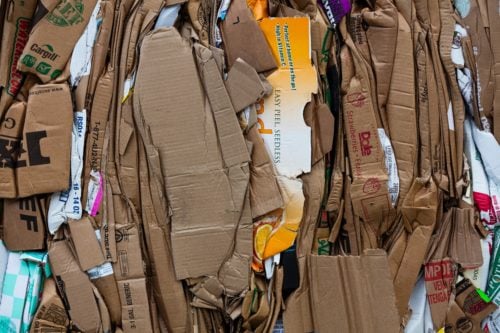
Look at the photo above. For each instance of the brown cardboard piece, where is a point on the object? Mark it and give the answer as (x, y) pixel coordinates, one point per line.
(369, 193)
(298, 317)
(440, 272)
(243, 38)
(265, 195)
(395, 85)
(43, 165)
(108, 289)
(339, 289)
(51, 315)
(75, 287)
(24, 223)
(87, 248)
(494, 16)
(465, 242)
(419, 210)
(191, 159)
(11, 132)
(483, 59)
(467, 310)
(471, 302)
(131, 282)
(135, 306)
(46, 53)
(244, 85)
(455, 114)
(15, 33)
(168, 292)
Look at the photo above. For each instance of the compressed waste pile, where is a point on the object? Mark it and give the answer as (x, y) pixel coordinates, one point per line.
(250, 166)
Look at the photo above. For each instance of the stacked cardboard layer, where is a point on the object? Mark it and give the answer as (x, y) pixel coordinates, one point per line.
(250, 166)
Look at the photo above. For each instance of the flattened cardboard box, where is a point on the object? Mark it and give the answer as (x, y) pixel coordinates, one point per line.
(203, 215)
(46, 53)
(51, 315)
(281, 120)
(135, 306)
(24, 223)
(11, 132)
(353, 294)
(87, 247)
(44, 158)
(15, 35)
(370, 196)
(75, 288)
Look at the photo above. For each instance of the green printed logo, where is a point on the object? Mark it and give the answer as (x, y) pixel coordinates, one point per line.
(67, 13)
(55, 74)
(28, 60)
(46, 51)
(43, 68)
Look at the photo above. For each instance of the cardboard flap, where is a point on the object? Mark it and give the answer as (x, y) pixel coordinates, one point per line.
(87, 247)
(465, 243)
(234, 150)
(265, 194)
(75, 287)
(353, 293)
(243, 38)
(244, 85)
